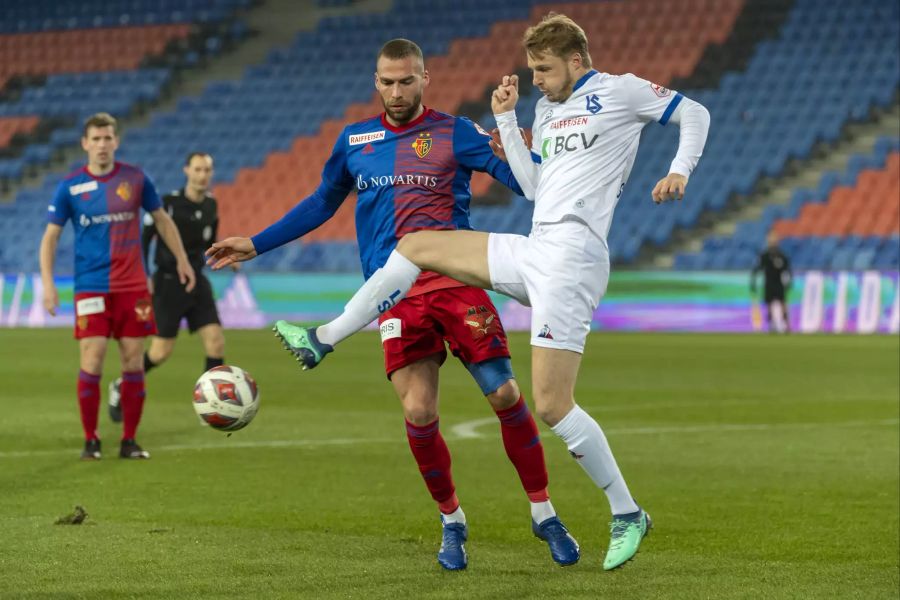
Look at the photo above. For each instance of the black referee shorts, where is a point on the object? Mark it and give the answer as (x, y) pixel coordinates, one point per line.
(171, 303)
(773, 293)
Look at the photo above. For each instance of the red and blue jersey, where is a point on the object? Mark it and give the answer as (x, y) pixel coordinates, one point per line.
(407, 178)
(105, 212)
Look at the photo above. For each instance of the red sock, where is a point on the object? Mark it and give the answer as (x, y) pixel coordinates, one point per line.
(524, 449)
(132, 401)
(89, 402)
(433, 457)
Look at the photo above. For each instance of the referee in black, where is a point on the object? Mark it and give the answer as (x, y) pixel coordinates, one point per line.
(195, 213)
(776, 269)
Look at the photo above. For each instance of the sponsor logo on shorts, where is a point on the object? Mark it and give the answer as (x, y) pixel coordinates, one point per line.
(545, 332)
(390, 329)
(365, 138)
(81, 322)
(481, 321)
(83, 188)
(422, 145)
(90, 306)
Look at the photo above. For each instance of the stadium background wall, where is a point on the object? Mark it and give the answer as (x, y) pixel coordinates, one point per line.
(717, 302)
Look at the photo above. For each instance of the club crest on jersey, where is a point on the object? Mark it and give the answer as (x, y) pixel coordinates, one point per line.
(124, 191)
(422, 145)
(659, 90)
(481, 321)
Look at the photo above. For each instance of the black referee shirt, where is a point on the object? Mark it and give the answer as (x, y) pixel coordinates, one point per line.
(197, 223)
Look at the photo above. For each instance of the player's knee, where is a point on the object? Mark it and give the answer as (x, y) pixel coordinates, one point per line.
(549, 411)
(420, 414)
(505, 396)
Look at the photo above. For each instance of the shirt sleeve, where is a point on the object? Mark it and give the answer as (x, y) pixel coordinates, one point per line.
(147, 235)
(650, 101)
(60, 209)
(521, 159)
(149, 196)
(471, 146)
(315, 209)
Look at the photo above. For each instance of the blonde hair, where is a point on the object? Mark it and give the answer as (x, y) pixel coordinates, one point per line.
(100, 119)
(560, 36)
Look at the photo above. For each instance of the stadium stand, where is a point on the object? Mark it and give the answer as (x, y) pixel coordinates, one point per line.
(850, 221)
(272, 130)
(59, 61)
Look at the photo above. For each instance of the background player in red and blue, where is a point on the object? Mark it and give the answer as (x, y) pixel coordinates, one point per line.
(103, 200)
(411, 167)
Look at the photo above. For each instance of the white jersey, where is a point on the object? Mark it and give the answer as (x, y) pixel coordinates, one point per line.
(586, 145)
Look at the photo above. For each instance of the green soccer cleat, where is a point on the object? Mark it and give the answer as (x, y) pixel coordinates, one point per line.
(302, 343)
(626, 533)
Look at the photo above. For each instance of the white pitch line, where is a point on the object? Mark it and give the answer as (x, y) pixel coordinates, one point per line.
(468, 430)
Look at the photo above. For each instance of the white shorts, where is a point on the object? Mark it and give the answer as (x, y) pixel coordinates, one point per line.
(560, 271)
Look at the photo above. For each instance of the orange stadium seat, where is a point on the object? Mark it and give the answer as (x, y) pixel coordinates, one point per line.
(101, 49)
(870, 208)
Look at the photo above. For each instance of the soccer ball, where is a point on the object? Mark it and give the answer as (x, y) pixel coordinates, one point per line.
(226, 398)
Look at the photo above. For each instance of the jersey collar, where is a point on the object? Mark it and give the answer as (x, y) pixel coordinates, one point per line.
(401, 128)
(583, 79)
(107, 177)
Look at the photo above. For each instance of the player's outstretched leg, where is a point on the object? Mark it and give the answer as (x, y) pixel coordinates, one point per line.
(626, 533)
(563, 547)
(114, 400)
(452, 555)
(302, 343)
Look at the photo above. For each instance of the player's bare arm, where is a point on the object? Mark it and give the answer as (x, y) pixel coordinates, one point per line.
(48, 258)
(230, 251)
(168, 231)
(670, 187)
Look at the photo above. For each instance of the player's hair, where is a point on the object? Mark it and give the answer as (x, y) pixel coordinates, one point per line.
(100, 119)
(401, 48)
(560, 36)
(190, 157)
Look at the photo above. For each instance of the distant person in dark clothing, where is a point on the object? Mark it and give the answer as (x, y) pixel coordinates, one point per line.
(777, 271)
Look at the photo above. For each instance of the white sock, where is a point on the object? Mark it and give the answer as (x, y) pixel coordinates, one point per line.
(385, 288)
(588, 445)
(541, 511)
(457, 516)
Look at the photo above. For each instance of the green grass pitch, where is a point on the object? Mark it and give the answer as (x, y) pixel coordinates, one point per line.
(769, 465)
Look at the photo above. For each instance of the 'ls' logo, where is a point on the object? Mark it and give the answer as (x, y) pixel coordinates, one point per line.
(593, 104)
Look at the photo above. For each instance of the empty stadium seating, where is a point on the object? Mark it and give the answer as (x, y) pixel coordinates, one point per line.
(271, 131)
(850, 221)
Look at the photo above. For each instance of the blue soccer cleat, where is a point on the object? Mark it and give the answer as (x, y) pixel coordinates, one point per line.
(452, 554)
(563, 547)
(302, 343)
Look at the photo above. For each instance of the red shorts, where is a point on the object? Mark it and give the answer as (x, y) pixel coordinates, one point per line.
(116, 314)
(463, 317)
